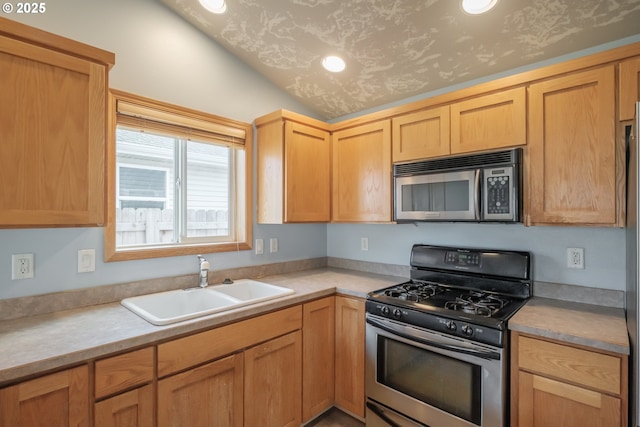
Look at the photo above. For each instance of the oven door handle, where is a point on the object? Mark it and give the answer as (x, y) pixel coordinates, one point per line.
(377, 411)
(401, 332)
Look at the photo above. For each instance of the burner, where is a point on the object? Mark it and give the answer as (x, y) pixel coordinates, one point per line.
(414, 291)
(479, 303)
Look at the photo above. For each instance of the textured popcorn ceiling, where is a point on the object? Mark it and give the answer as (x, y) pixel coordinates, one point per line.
(397, 49)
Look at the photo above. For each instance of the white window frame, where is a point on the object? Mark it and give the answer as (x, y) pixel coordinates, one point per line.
(126, 109)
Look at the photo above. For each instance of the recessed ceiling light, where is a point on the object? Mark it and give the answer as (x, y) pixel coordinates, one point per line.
(214, 6)
(335, 64)
(476, 7)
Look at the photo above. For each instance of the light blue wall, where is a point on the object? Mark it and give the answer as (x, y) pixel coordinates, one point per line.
(604, 248)
(160, 56)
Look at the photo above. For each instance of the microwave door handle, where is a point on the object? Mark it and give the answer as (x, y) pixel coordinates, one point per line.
(381, 415)
(476, 194)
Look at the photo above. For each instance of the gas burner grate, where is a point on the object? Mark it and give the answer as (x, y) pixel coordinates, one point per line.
(414, 291)
(478, 303)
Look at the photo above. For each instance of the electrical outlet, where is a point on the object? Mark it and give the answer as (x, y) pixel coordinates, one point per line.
(575, 258)
(273, 245)
(22, 266)
(364, 243)
(259, 246)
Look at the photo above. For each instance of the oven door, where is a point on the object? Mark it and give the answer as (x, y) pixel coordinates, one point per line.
(445, 196)
(434, 379)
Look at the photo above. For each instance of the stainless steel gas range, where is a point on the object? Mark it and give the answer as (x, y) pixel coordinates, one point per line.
(436, 345)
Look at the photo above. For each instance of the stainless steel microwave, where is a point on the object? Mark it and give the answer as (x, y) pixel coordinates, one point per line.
(482, 187)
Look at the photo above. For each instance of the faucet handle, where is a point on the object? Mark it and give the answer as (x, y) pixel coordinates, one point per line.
(204, 264)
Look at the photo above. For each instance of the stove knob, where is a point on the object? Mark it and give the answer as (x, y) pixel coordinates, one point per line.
(397, 313)
(385, 310)
(467, 330)
(451, 325)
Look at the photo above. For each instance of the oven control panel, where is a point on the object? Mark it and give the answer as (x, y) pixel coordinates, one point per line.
(436, 323)
(463, 258)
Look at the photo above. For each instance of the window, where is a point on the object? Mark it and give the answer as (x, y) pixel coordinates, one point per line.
(179, 181)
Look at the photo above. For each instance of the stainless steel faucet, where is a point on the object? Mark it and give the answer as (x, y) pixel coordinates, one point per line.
(204, 272)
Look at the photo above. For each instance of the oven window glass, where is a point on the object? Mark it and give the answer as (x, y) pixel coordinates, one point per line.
(440, 381)
(449, 196)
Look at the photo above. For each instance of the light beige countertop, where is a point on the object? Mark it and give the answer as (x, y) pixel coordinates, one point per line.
(38, 344)
(589, 325)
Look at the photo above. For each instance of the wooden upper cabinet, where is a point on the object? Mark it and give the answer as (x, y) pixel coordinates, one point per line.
(59, 399)
(572, 150)
(53, 100)
(294, 171)
(629, 89)
(362, 173)
(421, 134)
(489, 122)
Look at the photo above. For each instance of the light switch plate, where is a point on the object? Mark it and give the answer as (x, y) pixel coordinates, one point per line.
(86, 260)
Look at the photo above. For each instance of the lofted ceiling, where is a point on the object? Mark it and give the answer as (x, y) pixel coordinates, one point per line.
(396, 49)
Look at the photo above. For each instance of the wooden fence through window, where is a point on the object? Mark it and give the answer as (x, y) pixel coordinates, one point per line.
(150, 226)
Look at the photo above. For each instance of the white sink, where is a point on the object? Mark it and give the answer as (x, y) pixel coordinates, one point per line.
(163, 308)
(252, 290)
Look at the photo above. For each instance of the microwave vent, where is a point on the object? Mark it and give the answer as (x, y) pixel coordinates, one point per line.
(460, 162)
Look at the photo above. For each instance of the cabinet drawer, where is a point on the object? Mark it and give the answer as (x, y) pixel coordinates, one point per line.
(583, 367)
(123, 371)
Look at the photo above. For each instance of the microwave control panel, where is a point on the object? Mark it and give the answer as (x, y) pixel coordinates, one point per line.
(499, 203)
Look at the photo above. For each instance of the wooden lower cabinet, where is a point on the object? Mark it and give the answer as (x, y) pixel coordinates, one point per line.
(318, 354)
(272, 383)
(225, 376)
(350, 355)
(130, 409)
(558, 385)
(545, 402)
(60, 399)
(209, 395)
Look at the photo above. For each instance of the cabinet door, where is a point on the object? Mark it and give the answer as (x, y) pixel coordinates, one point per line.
(307, 174)
(420, 135)
(362, 173)
(207, 396)
(60, 399)
(53, 133)
(489, 122)
(131, 409)
(350, 355)
(273, 385)
(572, 156)
(629, 89)
(546, 402)
(318, 353)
